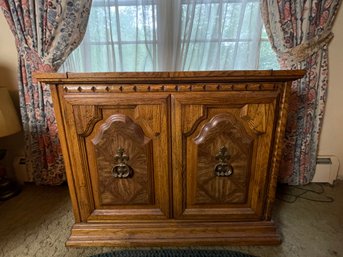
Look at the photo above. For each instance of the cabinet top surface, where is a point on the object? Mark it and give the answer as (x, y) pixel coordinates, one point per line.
(172, 77)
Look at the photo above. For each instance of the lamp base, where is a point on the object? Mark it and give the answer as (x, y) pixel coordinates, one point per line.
(8, 189)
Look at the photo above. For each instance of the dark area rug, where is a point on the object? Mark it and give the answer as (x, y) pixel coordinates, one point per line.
(173, 253)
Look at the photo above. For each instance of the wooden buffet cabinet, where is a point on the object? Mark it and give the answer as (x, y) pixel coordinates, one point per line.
(171, 158)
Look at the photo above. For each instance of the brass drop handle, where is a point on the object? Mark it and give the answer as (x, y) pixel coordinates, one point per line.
(121, 169)
(223, 168)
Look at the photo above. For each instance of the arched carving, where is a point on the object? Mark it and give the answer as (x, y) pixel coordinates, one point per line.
(220, 121)
(223, 130)
(124, 122)
(119, 131)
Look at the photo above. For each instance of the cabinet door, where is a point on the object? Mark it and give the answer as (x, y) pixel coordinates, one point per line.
(119, 155)
(222, 144)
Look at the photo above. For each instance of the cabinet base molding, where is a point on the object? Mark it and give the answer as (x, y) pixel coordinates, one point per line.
(174, 234)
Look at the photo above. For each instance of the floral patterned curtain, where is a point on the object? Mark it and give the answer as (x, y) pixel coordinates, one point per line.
(45, 33)
(300, 32)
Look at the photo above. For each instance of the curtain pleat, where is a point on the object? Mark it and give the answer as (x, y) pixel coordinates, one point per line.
(45, 33)
(300, 32)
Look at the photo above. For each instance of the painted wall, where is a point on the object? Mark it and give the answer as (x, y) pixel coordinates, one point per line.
(331, 142)
(8, 58)
(8, 78)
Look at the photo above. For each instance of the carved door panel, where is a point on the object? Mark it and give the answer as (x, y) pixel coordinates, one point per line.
(221, 155)
(124, 155)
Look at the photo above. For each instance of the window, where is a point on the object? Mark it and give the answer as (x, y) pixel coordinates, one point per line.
(154, 35)
(267, 58)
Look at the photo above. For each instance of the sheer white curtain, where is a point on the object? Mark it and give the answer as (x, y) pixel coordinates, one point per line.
(157, 35)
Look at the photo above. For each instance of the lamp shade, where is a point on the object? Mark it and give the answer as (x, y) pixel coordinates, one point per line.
(9, 122)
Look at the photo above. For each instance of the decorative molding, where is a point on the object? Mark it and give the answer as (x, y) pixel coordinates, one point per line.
(278, 145)
(132, 88)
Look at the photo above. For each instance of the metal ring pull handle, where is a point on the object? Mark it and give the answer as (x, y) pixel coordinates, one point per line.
(223, 168)
(121, 169)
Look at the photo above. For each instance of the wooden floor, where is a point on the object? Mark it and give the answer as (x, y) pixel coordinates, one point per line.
(37, 222)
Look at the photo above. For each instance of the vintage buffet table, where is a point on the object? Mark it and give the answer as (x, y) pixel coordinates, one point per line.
(171, 158)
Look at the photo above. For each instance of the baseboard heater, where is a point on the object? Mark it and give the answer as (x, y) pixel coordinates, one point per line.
(326, 169)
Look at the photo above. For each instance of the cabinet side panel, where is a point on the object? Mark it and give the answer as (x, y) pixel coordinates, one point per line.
(278, 145)
(57, 98)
